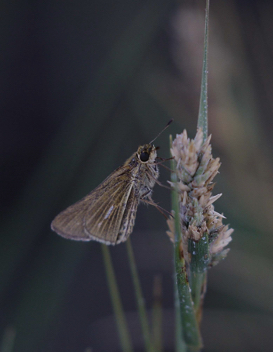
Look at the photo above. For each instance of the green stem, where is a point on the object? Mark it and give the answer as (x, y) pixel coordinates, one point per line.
(190, 329)
(180, 345)
(139, 298)
(179, 341)
(199, 263)
(116, 302)
(196, 287)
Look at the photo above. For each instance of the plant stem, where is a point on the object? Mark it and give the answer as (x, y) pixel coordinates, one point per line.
(139, 298)
(196, 286)
(190, 329)
(199, 262)
(180, 345)
(116, 302)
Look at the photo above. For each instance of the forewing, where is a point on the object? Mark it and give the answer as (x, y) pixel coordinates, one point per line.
(92, 217)
(104, 220)
(69, 223)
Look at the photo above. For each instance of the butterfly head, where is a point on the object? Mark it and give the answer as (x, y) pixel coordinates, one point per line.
(147, 153)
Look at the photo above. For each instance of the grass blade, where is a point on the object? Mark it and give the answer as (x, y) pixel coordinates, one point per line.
(139, 298)
(116, 301)
(198, 270)
(157, 314)
(203, 105)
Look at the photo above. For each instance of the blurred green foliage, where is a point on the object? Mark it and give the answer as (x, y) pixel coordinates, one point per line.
(83, 85)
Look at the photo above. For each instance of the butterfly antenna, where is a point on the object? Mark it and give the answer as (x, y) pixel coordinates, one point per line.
(168, 124)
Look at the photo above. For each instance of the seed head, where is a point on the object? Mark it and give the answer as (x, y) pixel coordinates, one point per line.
(196, 169)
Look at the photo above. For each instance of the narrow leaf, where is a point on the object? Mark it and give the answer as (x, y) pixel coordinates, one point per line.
(139, 298)
(116, 302)
(203, 105)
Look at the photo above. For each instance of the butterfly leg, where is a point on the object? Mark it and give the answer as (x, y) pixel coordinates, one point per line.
(163, 161)
(158, 207)
(158, 182)
(165, 167)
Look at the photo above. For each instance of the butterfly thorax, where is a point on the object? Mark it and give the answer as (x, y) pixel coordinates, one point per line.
(144, 169)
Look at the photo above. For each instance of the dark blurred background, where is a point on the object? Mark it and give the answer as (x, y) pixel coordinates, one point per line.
(82, 85)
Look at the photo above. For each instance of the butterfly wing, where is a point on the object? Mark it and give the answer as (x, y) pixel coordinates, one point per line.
(129, 216)
(100, 215)
(107, 221)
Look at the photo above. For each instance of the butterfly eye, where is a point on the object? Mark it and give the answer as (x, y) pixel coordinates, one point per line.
(144, 156)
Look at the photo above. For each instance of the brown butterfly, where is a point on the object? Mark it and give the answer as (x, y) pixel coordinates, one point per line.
(108, 213)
